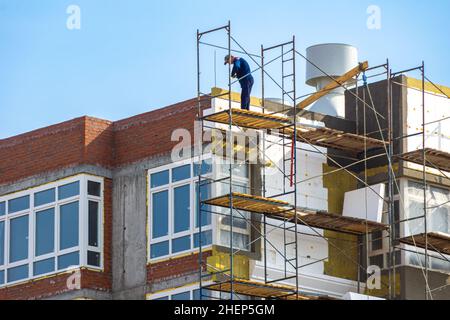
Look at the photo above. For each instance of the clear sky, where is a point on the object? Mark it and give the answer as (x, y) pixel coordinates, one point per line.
(130, 57)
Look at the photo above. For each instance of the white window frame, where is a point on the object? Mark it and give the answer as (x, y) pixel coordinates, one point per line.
(404, 229)
(31, 212)
(171, 292)
(226, 228)
(170, 187)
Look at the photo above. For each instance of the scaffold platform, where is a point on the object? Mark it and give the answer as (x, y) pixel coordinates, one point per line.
(281, 210)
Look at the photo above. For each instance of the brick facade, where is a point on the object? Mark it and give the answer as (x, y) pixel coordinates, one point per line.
(106, 144)
(175, 268)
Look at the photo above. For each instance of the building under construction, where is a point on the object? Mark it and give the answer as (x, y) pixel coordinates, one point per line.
(342, 193)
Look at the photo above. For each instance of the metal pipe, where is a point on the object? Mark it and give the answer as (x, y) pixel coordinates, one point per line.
(405, 71)
(295, 165)
(231, 142)
(278, 45)
(425, 182)
(213, 30)
(200, 257)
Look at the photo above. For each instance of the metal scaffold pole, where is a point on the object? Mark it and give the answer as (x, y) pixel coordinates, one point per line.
(231, 159)
(199, 202)
(425, 205)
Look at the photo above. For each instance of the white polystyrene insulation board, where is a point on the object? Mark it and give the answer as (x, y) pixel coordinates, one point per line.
(437, 107)
(366, 203)
(357, 296)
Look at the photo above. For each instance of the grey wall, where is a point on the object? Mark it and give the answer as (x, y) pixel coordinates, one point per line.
(130, 229)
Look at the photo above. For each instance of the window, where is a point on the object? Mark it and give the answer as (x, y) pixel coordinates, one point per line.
(438, 215)
(182, 210)
(2, 208)
(377, 240)
(45, 232)
(94, 188)
(182, 296)
(18, 239)
(18, 204)
(69, 190)
(2, 243)
(93, 224)
(69, 225)
(160, 206)
(51, 228)
(173, 216)
(191, 292)
(438, 212)
(241, 227)
(44, 197)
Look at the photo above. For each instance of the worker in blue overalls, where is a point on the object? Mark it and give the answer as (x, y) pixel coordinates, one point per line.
(241, 71)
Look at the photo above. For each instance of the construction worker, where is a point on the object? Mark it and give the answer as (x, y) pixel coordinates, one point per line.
(241, 71)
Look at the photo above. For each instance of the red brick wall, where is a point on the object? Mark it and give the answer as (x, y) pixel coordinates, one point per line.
(88, 140)
(174, 268)
(98, 142)
(82, 140)
(52, 286)
(149, 134)
(42, 150)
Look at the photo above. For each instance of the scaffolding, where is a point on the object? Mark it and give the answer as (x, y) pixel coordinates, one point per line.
(285, 125)
(427, 158)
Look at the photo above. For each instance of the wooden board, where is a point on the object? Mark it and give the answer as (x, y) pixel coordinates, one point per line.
(322, 137)
(259, 290)
(333, 85)
(335, 139)
(435, 158)
(249, 119)
(438, 242)
(281, 210)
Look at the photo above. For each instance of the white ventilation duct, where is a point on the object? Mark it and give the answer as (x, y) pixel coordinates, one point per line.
(335, 59)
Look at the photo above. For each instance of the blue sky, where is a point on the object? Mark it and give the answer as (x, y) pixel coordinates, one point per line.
(134, 56)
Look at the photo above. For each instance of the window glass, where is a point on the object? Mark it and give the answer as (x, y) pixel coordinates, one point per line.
(161, 299)
(69, 190)
(205, 294)
(206, 238)
(68, 260)
(94, 188)
(181, 173)
(45, 232)
(239, 170)
(159, 249)
(160, 214)
(93, 224)
(182, 210)
(181, 244)
(377, 240)
(18, 244)
(18, 273)
(19, 204)
(93, 258)
(44, 197)
(2, 277)
(159, 179)
(439, 220)
(239, 240)
(2, 243)
(206, 168)
(68, 225)
(205, 193)
(2, 208)
(44, 266)
(182, 296)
